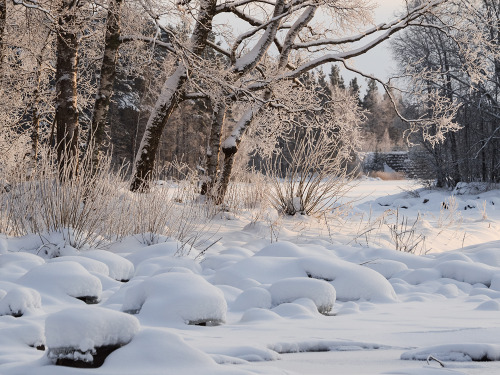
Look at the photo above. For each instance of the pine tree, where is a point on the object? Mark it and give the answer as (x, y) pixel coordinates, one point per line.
(354, 89)
(336, 80)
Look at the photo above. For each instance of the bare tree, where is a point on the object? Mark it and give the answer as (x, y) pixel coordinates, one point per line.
(97, 131)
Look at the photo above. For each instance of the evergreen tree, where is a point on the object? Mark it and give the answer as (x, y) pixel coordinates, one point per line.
(322, 88)
(336, 80)
(354, 88)
(371, 97)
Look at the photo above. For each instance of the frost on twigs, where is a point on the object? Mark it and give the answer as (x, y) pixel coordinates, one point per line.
(84, 337)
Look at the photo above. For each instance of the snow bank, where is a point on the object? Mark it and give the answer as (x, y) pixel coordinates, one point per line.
(90, 265)
(253, 297)
(63, 277)
(319, 291)
(120, 268)
(75, 333)
(176, 297)
(471, 273)
(156, 352)
(20, 301)
(14, 265)
(352, 282)
(164, 264)
(456, 352)
(141, 254)
(323, 346)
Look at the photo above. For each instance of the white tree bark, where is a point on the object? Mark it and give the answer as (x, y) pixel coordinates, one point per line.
(168, 99)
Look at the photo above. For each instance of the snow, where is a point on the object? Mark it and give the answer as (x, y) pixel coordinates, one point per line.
(258, 299)
(83, 329)
(178, 298)
(318, 291)
(456, 352)
(19, 301)
(62, 278)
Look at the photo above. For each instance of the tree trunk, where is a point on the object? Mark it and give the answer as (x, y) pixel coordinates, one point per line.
(218, 116)
(227, 168)
(168, 100)
(230, 146)
(97, 132)
(3, 19)
(66, 115)
(165, 105)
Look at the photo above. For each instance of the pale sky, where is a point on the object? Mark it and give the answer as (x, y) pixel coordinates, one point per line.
(379, 61)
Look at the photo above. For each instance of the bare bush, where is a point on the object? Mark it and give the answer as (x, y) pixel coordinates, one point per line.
(314, 177)
(404, 233)
(94, 207)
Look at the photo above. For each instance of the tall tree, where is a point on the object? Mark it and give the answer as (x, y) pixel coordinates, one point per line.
(97, 132)
(66, 114)
(354, 89)
(3, 19)
(336, 80)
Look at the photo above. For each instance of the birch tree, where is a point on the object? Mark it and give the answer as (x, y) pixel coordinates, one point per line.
(268, 31)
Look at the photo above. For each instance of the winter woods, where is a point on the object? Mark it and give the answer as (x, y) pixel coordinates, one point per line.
(206, 76)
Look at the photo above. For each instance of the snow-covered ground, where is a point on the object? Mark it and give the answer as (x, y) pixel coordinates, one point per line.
(273, 295)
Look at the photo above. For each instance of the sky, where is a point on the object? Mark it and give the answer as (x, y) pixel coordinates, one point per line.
(379, 61)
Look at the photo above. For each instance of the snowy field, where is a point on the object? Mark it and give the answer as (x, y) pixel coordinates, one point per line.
(272, 295)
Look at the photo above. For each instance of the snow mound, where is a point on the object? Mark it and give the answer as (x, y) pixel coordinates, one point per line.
(20, 301)
(456, 352)
(178, 297)
(471, 273)
(352, 282)
(386, 267)
(14, 265)
(319, 291)
(76, 333)
(169, 248)
(288, 249)
(256, 315)
(120, 268)
(69, 278)
(253, 297)
(164, 264)
(489, 306)
(90, 265)
(156, 352)
(264, 269)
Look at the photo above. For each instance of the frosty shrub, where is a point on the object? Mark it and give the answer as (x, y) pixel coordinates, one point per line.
(404, 233)
(311, 175)
(92, 206)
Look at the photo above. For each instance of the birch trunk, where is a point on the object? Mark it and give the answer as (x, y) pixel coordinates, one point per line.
(97, 132)
(66, 115)
(3, 19)
(218, 116)
(231, 144)
(167, 101)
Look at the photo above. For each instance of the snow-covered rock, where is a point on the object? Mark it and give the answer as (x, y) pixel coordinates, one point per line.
(289, 290)
(352, 282)
(90, 265)
(177, 297)
(19, 301)
(253, 297)
(84, 336)
(120, 268)
(68, 278)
